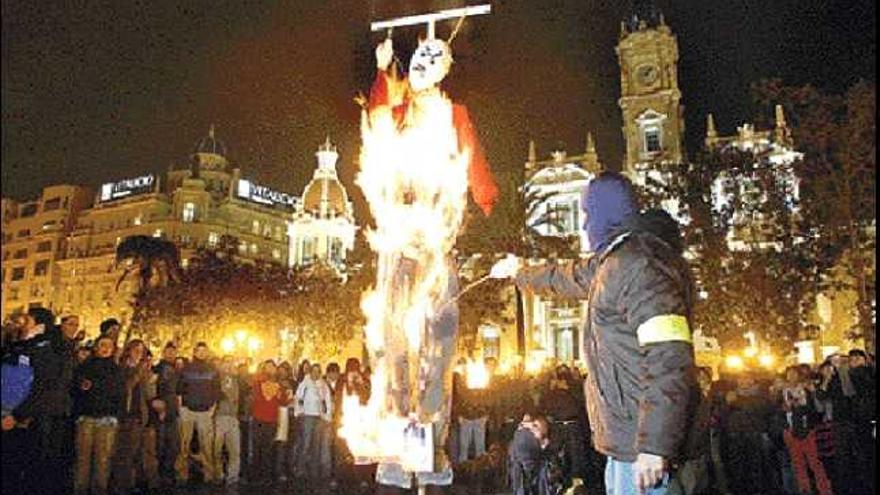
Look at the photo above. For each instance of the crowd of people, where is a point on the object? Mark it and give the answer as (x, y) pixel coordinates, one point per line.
(109, 417)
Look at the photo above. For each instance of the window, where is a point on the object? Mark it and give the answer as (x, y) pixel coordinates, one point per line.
(44, 247)
(41, 268)
(24, 233)
(255, 227)
(52, 204)
(185, 239)
(184, 262)
(20, 254)
(276, 254)
(158, 233)
(17, 273)
(308, 250)
(28, 210)
(254, 249)
(48, 225)
(267, 231)
(277, 233)
(13, 293)
(652, 139)
(213, 239)
(491, 341)
(189, 212)
(138, 220)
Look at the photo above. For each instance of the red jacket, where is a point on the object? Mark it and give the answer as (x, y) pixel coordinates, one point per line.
(388, 90)
(265, 408)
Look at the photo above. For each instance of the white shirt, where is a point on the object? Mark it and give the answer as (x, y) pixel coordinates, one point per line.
(313, 399)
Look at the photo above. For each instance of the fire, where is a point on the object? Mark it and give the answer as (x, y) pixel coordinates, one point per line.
(477, 376)
(415, 180)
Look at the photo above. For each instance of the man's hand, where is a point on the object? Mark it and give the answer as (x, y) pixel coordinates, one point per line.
(384, 54)
(507, 267)
(648, 470)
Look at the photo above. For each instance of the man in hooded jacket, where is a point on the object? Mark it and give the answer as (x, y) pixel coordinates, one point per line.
(637, 333)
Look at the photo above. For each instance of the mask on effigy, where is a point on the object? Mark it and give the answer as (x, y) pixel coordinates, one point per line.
(429, 64)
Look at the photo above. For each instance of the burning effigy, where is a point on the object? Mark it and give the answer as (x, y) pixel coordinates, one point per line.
(420, 157)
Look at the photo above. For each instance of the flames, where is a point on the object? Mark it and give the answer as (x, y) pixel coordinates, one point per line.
(415, 180)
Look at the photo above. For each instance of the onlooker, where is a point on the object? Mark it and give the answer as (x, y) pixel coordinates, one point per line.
(800, 434)
(315, 405)
(745, 439)
(129, 459)
(862, 374)
(227, 434)
(111, 328)
(268, 397)
(168, 411)
(199, 390)
(471, 412)
(99, 394)
(245, 404)
(564, 412)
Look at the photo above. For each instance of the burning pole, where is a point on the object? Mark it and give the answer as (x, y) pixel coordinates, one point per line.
(420, 156)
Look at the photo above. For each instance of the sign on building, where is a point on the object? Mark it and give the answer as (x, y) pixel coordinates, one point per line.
(125, 188)
(264, 195)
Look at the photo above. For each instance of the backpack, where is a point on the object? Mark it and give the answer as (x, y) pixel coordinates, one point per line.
(16, 381)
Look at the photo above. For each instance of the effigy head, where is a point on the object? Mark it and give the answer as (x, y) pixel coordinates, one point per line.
(429, 64)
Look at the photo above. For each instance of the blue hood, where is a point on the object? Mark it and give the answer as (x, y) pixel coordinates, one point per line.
(607, 200)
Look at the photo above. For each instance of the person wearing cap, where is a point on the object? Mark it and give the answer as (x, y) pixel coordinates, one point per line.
(637, 332)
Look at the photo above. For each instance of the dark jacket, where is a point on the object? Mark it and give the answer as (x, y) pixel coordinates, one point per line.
(637, 335)
(199, 386)
(106, 395)
(48, 362)
(166, 387)
(58, 394)
(467, 403)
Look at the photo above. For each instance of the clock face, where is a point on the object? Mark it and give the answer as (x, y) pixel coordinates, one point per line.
(647, 74)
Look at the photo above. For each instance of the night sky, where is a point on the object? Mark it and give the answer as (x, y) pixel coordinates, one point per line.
(109, 89)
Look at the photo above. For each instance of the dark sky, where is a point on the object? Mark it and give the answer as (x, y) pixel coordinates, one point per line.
(102, 90)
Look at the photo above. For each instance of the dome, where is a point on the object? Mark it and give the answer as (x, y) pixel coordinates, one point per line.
(210, 144)
(325, 194)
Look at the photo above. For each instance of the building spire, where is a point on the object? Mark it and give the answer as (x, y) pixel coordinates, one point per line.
(711, 132)
(591, 158)
(781, 133)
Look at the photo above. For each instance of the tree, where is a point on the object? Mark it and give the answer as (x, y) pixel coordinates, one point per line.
(837, 134)
(156, 262)
(217, 294)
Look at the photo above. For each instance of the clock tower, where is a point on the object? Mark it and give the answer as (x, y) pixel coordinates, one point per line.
(653, 120)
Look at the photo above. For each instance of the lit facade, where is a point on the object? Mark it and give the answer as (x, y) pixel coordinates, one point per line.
(34, 239)
(196, 206)
(323, 226)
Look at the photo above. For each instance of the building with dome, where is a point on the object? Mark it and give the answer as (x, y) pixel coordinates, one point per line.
(204, 202)
(323, 226)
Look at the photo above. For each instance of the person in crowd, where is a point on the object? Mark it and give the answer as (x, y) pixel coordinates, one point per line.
(799, 407)
(166, 406)
(561, 407)
(42, 418)
(355, 385)
(314, 405)
(83, 353)
(863, 377)
(286, 447)
(535, 467)
(639, 349)
(470, 413)
(268, 397)
(227, 434)
(745, 440)
(693, 476)
(155, 409)
(180, 363)
(296, 426)
(199, 391)
(245, 404)
(333, 378)
(111, 328)
(129, 458)
(99, 395)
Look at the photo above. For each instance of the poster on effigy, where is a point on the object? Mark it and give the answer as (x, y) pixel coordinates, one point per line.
(418, 448)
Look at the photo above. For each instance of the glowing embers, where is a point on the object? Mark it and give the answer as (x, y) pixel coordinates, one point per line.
(415, 180)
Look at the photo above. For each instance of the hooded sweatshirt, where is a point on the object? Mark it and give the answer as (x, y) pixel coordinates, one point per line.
(607, 200)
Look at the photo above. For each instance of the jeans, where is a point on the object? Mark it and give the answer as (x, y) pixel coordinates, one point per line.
(151, 456)
(314, 457)
(264, 451)
(471, 430)
(95, 448)
(804, 453)
(167, 446)
(619, 480)
(203, 423)
(227, 435)
(128, 460)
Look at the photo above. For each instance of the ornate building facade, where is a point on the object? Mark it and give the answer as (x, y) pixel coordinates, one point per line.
(197, 205)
